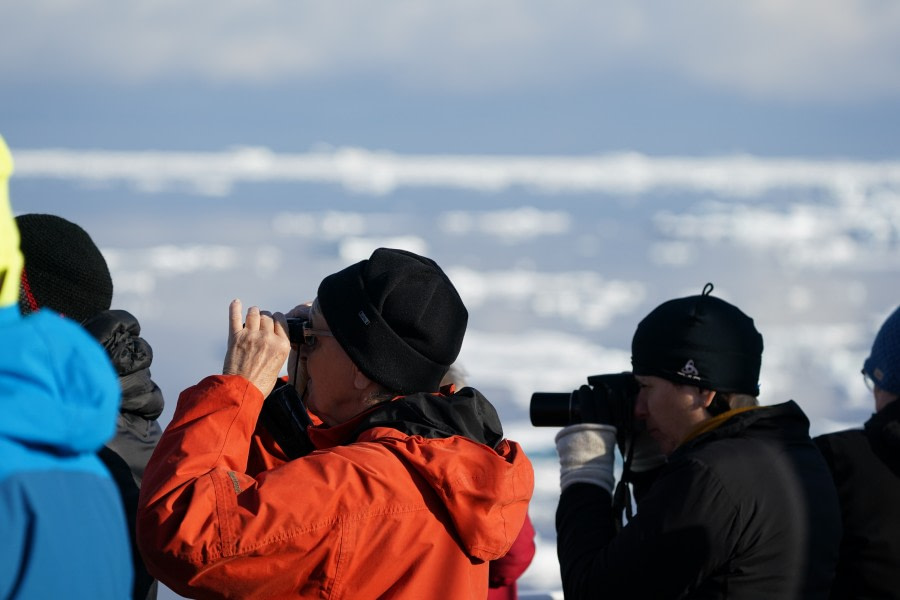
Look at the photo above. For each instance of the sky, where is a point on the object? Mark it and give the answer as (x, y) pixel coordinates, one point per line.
(571, 164)
(773, 77)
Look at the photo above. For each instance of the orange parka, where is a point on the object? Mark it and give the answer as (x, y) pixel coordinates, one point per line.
(371, 514)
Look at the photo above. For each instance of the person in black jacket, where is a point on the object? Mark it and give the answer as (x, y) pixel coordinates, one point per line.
(66, 272)
(743, 507)
(865, 464)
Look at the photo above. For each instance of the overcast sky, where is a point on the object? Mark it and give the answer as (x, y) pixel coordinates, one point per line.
(631, 72)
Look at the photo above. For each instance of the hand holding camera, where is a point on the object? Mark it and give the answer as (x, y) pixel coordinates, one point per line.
(606, 399)
(257, 346)
(594, 418)
(586, 455)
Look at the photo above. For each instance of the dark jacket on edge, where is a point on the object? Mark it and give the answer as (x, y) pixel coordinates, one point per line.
(866, 468)
(137, 431)
(746, 510)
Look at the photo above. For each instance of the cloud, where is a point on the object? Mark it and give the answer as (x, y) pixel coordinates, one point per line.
(774, 49)
(803, 235)
(381, 173)
(584, 298)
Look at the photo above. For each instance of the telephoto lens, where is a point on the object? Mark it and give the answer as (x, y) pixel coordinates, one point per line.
(607, 398)
(553, 409)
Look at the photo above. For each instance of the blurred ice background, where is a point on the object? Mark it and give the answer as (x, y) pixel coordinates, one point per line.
(557, 259)
(570, 165)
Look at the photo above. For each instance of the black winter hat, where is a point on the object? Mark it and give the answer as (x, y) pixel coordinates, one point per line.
(883, 363)
(702, 341)
(398, 317)
(64, 269)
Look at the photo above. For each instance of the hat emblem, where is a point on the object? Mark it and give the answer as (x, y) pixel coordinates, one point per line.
(689, 370)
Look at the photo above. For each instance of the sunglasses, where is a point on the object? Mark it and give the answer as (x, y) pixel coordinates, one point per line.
(870, 384)
(301, 333)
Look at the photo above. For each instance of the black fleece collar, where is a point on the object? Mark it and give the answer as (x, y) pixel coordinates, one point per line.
(465, 413)
(786, 417)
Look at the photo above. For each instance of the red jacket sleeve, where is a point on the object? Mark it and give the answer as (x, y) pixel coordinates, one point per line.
(506, 570)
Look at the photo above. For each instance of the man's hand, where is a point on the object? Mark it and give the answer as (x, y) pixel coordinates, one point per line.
(257, 346)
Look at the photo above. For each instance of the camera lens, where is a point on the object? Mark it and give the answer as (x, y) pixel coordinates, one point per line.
(551, 409)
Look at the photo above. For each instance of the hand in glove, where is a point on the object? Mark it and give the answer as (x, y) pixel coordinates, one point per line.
(643, 460)
(586, 454)
(646, 455)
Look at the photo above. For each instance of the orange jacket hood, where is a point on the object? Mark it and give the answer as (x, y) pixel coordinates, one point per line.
(485, 492)
(483, 480)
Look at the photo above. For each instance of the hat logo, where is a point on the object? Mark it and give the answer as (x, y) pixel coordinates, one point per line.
(363, 317)
(689, 370)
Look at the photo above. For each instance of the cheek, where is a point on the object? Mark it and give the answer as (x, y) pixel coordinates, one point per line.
(660, 409)
(327, 368)
(317, 363)
(653, 404)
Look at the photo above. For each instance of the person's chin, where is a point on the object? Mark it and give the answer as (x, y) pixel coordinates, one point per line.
(665, 444)
(309, 398)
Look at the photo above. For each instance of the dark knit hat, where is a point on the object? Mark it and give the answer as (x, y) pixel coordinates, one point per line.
(883, 364)
(398, 317)
(64, 269)
(702, 341)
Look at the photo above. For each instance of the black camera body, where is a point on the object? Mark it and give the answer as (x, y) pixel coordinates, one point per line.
(295, 330)
(607, 399)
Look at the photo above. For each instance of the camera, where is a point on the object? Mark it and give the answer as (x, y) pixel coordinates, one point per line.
(295, 330)
(607, 399)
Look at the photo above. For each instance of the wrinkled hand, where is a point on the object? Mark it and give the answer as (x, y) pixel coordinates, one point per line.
(257, 346)
(301, 311)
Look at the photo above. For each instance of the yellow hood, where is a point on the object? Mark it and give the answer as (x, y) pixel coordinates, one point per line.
(10, 255)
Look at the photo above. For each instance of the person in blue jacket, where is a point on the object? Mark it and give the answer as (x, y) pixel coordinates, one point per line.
(62, 525)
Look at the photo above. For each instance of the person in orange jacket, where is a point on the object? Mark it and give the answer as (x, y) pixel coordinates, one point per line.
(504, 572)
(401, 491)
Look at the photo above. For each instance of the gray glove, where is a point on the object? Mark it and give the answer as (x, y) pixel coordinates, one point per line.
(647, 455)
(586, 455)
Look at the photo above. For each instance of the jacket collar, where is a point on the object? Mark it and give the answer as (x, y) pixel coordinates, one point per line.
(464, 413)
(787, 419)
(714, 422)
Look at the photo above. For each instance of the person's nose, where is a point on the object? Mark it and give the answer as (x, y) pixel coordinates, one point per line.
(640, 407)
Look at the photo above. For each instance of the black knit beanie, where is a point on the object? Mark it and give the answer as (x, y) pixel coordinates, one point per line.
(702, 341)
(883, 363)
(398, 317)
(64, 269)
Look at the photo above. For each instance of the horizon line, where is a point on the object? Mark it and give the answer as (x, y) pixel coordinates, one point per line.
(379, 172)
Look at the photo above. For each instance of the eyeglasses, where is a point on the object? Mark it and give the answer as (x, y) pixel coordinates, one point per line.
(309, 334)
(870, 384)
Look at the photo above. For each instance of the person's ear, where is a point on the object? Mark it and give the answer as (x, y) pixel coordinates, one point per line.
(360, 380)
(705, 397)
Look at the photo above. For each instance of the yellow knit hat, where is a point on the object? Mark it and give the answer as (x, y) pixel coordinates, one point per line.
(10, 256)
